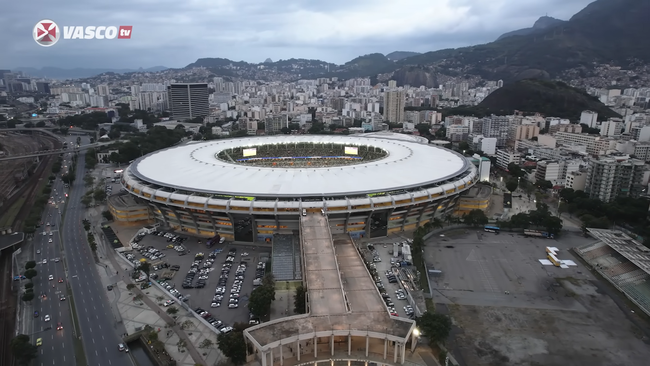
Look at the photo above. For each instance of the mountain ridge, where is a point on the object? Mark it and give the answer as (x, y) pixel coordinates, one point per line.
(79, 72)
(540, 25)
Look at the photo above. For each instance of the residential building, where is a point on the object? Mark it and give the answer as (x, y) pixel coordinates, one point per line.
(505, 157)
(496, 126)
(457, 133)
(576, 180)
(551, 171)
(188, 100)
(481, 143)
(611, 128)
(595, 144)
(275, 124)
(612, 177)
(394, 103)
(523, 132)
(589, 118)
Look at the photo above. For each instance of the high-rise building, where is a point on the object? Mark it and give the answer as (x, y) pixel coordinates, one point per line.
(589, 118)
(608, 178)
(394, 102)
(188, 100)
(43, 87)
(103, 90)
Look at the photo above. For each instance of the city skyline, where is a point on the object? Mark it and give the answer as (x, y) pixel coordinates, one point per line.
(253, 32)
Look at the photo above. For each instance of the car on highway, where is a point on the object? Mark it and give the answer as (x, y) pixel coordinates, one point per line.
(39, 342)
(59, 326)
(50, 278)
(60, 280)
(122, 347)
(44, 261)
(47, 318)
(48, 224)
(49, 240)
(56, 260)
(51, 233)
(61, 297)
(36, 314)
(38, 251)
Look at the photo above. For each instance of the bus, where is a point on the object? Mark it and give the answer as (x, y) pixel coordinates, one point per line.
(491, 229)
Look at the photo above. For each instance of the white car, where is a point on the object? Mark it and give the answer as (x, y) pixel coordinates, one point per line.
(49, 240)
(51, 233)
(44, 261)
(50, 278)
(47, 318)
(169, 302)
(38, 251)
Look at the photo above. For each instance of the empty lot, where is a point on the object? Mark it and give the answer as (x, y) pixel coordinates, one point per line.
(511, 310)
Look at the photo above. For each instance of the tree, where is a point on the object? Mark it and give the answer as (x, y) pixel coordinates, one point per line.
(28, 296)
(207, 343)
(553, 224)
(300, 300)
(29, 285)
(30, 265)
(435, 326)
(30, 273)
(233, 346)
(475, 217)
(172, 310)
(145, 267)
(99, 195)
(187, 324)
(260, 300)
(544, 185)
(23, 350)
(138, 297)
(89, 180)
(515, 170)
(130, 286)
(107, 215)
(512, 184)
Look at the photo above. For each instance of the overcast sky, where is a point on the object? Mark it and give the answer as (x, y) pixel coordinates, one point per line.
(174, 33)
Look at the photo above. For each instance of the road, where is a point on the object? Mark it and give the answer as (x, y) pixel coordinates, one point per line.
(57, 348)
(99, 329)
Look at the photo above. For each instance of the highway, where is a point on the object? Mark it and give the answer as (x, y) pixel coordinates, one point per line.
(98, 326)
(57, 348)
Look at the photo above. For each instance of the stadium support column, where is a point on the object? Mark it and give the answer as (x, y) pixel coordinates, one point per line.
(196, 224)
(263, 358)
(178, 218)
(162, 213)
(424, 208)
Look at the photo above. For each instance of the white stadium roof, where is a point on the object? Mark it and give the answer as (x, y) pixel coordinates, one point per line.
(195, 168)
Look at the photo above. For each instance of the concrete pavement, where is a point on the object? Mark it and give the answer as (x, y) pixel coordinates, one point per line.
(99, 328)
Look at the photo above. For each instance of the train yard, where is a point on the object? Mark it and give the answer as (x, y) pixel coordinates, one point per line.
(19, 185)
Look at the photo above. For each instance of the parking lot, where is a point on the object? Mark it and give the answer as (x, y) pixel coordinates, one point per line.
(480, 268)
(509, 309)
(230, 268)
(397, 298)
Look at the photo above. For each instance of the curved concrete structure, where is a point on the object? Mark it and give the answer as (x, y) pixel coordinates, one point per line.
(251, 188)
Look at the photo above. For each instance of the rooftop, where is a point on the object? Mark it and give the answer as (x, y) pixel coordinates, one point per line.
(624, 245)
(195, 168)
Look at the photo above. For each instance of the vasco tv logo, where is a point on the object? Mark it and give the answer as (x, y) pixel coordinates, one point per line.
(47, 33)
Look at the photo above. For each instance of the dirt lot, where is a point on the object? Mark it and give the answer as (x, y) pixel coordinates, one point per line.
(503, 336)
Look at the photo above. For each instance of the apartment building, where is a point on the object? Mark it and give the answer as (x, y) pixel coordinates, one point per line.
(612, 177)
(394, 103)
(496, 126)
(505, 157)
(589, 118)
(595, 145)
(611, 128)
(551, 171)
(188, 100)
(481, 143)
(523, 132)
(457, 133)
(576, 180)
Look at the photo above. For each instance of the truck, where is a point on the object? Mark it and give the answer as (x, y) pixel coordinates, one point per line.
(538, 234)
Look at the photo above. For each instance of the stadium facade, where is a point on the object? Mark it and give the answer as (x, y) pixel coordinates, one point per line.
(252, 188)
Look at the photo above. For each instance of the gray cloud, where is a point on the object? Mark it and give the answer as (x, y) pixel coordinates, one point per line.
(174, 33)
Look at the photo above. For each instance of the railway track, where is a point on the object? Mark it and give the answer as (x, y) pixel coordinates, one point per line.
(7, 310)
(8, 302)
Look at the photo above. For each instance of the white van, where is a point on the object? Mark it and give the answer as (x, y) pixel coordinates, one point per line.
(304, 212)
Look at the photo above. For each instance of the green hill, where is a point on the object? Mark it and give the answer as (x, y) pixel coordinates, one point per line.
(549, 98)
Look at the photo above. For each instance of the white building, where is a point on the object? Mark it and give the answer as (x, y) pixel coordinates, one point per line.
(589, 118)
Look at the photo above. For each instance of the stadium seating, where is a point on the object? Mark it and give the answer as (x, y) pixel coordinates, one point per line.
(600, 251)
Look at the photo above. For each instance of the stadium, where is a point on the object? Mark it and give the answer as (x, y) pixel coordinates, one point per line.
(251, 188)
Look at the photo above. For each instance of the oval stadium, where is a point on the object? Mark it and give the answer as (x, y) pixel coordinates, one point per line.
(249, 189)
